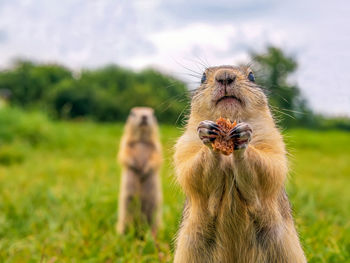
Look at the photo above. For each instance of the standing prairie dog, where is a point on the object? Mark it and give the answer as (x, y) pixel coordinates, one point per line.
(237, 209)
(140, 156)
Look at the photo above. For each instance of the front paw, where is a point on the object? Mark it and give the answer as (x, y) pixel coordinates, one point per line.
(241, 135)
(208, 131)
(134, 165)
(147, 169)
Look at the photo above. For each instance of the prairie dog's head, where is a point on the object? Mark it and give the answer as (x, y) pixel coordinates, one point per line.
(141, 121)
(229, 92)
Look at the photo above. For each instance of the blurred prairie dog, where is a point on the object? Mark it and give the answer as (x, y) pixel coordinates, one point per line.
(141, 157)
(236, 209)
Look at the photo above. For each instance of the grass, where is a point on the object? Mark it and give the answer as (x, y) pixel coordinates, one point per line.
(59, 185)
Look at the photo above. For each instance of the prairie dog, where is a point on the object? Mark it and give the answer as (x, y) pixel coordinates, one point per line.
(236, 209)
(140, 157)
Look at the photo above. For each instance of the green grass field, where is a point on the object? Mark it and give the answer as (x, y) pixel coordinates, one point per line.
(59, 186)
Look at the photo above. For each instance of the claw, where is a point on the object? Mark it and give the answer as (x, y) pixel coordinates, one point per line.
(240, 127)
(206, 132)
(209, 125)
(242, 130)
(212, 133)
(242, 135)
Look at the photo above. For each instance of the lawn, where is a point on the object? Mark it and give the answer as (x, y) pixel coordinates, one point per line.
(59, 185)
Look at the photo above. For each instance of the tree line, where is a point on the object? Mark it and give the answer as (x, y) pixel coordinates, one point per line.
(108, 93)
(104, 94)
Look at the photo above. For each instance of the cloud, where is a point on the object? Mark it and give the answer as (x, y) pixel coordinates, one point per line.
(3, 36)
(79, 33)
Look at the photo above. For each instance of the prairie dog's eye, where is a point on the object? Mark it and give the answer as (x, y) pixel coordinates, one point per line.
(251, 77)
(204, 78)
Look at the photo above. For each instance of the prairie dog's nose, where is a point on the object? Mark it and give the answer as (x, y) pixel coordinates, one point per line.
(225, 77)
(144, 117)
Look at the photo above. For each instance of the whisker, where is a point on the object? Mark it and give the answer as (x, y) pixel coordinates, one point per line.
(205, 64)
(191, 70)
(198, 62)
(293, 111)
(193, 75)
(275, 109)
(181, 113)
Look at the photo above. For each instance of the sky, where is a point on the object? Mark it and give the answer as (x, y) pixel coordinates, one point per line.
(182, 36)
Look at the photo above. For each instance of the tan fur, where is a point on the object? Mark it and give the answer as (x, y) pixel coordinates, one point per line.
(140, 156)
(236, 208)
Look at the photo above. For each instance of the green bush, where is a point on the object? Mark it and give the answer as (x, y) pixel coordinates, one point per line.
(29, 127)
(340, 123)
(105, 94)
(29, 83)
